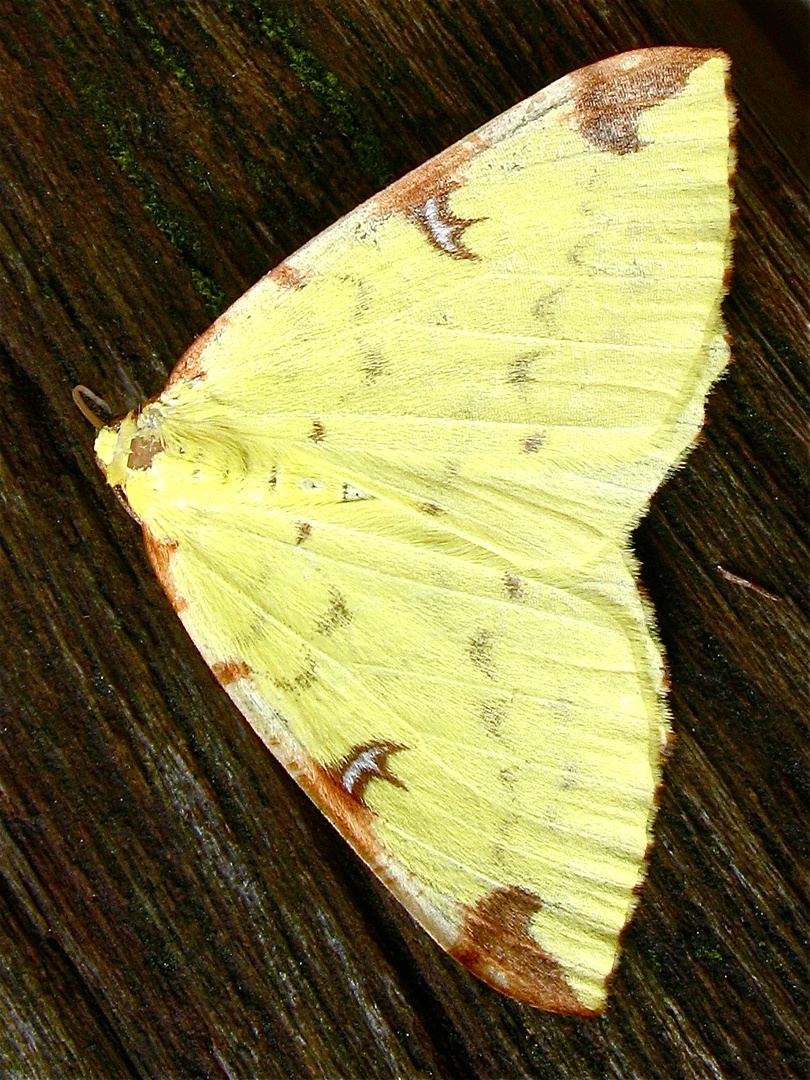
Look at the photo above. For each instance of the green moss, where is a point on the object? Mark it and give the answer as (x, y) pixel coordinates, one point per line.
(165, 54)
(67, 45)
(213, 296)
(288, 37)
(259, 175)
(198, 171)
(372, 157)
(123, 130)
(97, 9)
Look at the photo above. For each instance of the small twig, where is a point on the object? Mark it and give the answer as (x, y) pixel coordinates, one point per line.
(735, 579)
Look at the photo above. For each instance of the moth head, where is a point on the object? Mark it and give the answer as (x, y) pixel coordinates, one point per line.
(128, 445)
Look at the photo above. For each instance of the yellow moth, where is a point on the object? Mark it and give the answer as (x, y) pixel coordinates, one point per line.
(390, 494)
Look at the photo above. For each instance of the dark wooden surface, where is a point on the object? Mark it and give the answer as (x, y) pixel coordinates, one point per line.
(170, 904)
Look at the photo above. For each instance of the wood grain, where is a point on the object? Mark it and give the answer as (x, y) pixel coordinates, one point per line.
(170, 903)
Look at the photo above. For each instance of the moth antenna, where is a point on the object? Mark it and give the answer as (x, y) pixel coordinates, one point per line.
(86, 401)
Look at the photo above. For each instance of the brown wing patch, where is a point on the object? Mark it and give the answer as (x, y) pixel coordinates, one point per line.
(609, 97)
(160, 554)
(348, 813)
(363, 763)
(496, 944)
(228, 671)
(442, 227)
(435, 178)
(287, 276)
(190, 364)
(422, 198)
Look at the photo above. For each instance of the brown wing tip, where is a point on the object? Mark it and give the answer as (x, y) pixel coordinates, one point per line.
(496, 945)
(608, 97)
(666, 60)
(493, 940)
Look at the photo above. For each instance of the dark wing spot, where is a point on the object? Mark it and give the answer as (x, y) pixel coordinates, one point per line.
(374, 366)
(431, 508)
(532, 443)
(609, 97)
(337, 615)
(492, 718)
(480, 652)
(508, 776)
(302, 680)
(520, 371)
(569, 776)
(576, 254)
(366, 762)
(496, 944)
(514, 586)
(318, 433)
(303, 532)
(545, 307)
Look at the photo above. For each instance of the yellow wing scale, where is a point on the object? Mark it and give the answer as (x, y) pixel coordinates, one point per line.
(391, 495)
